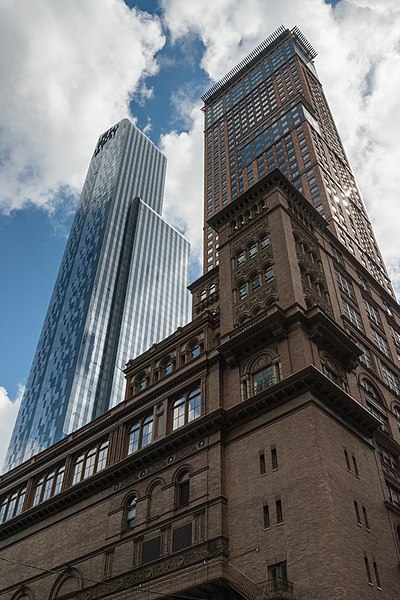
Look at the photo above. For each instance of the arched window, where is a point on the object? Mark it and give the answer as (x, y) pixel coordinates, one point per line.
(193, 349)
(263, 379)
(131, 509)
(167, 366)
(240, 258)
(396, 410)
(265, 241)
(140, 434)
(213, 288)
(333, 371)
(371, 390)
(12, 504)
(242, 290)
(186, 408)
(141, 381)
(255, 282)
(48, 486)
(90, 462)
(203, 294)
(269, 273)
(182, 490)
(263, 373)
(253, 250)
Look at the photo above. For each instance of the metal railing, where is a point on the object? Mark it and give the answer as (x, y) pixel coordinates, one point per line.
(278, 589)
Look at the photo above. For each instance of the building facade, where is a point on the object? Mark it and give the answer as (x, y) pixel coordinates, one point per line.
(256, 454)
(120, 288)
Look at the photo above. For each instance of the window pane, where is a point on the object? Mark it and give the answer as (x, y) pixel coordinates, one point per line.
(78, 469)
(131, 512)
(178, 414)
(147, 434)
(38, 492)
(263, 379)
(59, 480)
(89, 465)
(134, 438)
(103, 452)
(48, 486)
(194, 404)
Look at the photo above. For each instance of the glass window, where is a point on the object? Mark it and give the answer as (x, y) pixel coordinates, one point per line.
(183, 490)
(134, 438)
(186, 408)
(263, 379)
(269, 274)
(242, 290)
(253, 251)
(178, 413)
(131, 512)
(255, 282)
(147, 434)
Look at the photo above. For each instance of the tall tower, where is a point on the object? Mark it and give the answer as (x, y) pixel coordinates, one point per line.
(121, 287)
(270, 112)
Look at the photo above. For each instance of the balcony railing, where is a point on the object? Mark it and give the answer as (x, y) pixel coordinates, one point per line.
(278, 589)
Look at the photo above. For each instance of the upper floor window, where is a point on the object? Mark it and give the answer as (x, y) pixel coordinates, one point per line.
(90, 462)
(379, 415)
(390, 379)
(186, 408)
(352, 315)
(253, 251)
(12, 504)
(140, 434)
(243, 290)
(269, 273)
(182, 490)
(49, 485)
(141, 381)
(240, 258)
(131, 508)
(264, 378)
(265, 241)
(345, 284)
(372, 312)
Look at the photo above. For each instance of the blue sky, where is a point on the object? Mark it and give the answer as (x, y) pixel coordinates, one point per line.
(69, 70)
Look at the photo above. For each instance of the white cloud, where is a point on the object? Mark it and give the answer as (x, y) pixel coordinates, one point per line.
(8, 414)
(72, 69)
(359, 56)
(183, 205)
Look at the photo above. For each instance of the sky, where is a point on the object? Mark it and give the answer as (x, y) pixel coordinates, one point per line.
(70, 70)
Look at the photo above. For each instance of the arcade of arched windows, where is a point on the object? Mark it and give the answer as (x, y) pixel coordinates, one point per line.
(248, 215)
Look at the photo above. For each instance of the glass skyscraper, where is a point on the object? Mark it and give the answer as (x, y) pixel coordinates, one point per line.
(121, 287)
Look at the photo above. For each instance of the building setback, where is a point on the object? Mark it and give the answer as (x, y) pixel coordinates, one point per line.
(256, 454)
(120, 288)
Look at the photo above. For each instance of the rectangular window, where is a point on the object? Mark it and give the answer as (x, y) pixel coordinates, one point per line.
(376, 572)
(346, 455)
(381, 343)
(372, 312)
(355, 465)
(262, 464)
(279, 512)
(182, 537)
(390, 379)
(358, 517)
(394, 496)
(345, 284)
(352, 315)
(266, 520)
(274, 459)
(365, 517)
(368, 570)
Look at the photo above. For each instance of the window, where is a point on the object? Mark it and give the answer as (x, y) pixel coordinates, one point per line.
(355, 465)
(186, 408)
(255, 282)
(279, 512)
(263, 469)
(183, 490)
(167, 366)
(266, 518)
(368, 570)
(277, 573)
(48, 486)
(11, 505)
(274, 459)
(345, 284)
(141, 382)
(253, 250)
(240, 258)
(263, 379)
(387, 457)
(194, 350)
(265, 241)
(372, 312)
(352, 315)
(90, 462)
(358, 517)
(381, 343)
(376, 573)
(242, 289)
(131, 512)
(365, 517)
(140, 434)
(365, 357)
(346, 455)
(390, 379)
(269, 274)
(394, 496)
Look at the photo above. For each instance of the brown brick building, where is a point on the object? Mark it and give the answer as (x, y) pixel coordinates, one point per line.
(256, 454)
